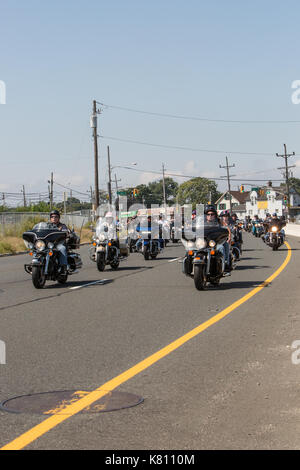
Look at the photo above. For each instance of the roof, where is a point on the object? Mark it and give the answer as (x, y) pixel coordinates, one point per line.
(239, 208)
(241, 197)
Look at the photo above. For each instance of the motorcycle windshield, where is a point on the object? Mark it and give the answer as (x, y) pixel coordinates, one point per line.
(47, 232)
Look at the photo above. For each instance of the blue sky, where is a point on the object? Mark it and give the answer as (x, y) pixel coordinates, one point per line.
(219, 60)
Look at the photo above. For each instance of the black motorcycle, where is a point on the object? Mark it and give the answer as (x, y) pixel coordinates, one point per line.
(43, 241)
(274, 237)
(202, 260)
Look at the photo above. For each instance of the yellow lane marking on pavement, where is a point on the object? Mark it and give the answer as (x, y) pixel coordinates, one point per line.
(82, 403)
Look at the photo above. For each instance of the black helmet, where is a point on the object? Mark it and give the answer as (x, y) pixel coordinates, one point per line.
(55, 212)
(225, 214)
(209, 208)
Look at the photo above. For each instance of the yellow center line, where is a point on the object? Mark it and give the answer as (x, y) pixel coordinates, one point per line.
(87, 400)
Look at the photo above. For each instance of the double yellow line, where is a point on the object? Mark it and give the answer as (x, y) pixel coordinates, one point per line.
(82, 403)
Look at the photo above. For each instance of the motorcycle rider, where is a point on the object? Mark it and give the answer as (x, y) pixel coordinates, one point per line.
(254, 221)
(237, 232)
(62, 247)
(275, 221)
(211, 218)
(265, 223)
(225, 222)
(108, 225)
(155, 230)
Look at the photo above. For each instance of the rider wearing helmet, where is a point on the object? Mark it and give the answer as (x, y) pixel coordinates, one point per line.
(225, 222)
(211, 218)
(62, 248)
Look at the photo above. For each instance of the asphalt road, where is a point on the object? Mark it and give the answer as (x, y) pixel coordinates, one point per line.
(231, 386)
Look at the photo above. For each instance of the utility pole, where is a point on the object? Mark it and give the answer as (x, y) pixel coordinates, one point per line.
(24, 196)
(228, 180)
(116, 181)
(93, 123)
(164, 187)
(65, 206)
(286, 168)
(109, 176)
(50, 190)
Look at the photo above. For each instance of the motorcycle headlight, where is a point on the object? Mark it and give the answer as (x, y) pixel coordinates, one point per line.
(102, 237)
(40, 245)
(274, 229)
(212, 243)
(200, 243)
(188, 244)
(50, 245)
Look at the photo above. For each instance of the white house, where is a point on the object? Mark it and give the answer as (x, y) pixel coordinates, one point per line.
(266, 200)
(238, 202)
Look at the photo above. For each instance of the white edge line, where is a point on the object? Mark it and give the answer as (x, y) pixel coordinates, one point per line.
(101, 281)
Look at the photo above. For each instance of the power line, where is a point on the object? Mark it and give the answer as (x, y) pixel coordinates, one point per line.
(195, 118)
(194, 176)
(190, 149)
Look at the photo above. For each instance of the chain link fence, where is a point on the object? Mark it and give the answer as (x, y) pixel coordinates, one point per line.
(9, 220)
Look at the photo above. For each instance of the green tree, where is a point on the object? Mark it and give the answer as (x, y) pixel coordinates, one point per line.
(197, 191)
(294, 183)
(152, 193)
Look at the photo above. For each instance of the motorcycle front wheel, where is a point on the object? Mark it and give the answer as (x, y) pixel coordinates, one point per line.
(100, 261)
(38, 277)
(199, 278)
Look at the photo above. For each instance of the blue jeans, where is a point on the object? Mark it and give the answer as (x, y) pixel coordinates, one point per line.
(63, 256)
(225, 251)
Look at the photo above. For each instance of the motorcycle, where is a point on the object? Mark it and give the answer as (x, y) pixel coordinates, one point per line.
(108, 251)
(202, 260)
(43, 242)
(257, 228)
(274, 238)
(146, 245)
(236, 244)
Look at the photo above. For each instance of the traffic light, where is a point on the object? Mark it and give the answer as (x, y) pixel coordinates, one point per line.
(135, 192)
(242, 188)
(285, 199)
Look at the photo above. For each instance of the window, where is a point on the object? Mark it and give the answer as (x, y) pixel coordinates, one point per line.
(222, 207)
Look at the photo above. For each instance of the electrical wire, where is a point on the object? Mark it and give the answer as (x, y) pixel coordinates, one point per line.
(195, 118)
(190, 149)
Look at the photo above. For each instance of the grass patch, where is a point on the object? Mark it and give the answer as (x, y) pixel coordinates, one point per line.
(12, 242)
(6, 247)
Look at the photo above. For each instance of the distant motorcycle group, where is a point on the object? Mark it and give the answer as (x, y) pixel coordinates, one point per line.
(270, 229)
(212, 242)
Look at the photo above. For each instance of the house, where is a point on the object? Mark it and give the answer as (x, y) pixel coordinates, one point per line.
(271, 200)
(238, 202)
